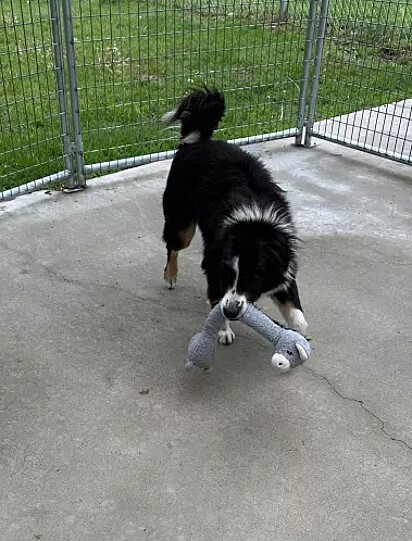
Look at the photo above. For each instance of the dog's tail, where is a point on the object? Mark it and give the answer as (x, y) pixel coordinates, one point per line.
(199, 114)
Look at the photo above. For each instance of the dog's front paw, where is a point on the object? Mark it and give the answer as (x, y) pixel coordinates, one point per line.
(226, 336)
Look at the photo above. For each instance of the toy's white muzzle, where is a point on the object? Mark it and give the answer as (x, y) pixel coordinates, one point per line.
(280, 362)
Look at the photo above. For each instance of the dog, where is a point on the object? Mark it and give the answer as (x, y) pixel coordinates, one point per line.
(249, 239)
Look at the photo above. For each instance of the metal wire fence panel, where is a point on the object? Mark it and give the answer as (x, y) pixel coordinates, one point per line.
(366, 77)
(32, 126)
(83, 83)
(135, 59)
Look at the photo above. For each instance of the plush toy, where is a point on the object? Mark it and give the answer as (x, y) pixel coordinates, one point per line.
(291, 348)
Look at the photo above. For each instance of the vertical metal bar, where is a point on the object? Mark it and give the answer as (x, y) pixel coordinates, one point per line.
(61, 91)
(316, 70)
(77, 145)
(310, 31)
(283, 9)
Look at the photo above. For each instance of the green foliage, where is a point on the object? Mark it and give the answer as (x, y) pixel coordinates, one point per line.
(134, 58)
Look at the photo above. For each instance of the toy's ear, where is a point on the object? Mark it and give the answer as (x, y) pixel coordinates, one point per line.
(302, 353)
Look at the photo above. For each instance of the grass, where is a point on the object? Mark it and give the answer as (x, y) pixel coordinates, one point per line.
(134, 58)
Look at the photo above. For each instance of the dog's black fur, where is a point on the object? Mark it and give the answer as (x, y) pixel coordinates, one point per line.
(244, 217)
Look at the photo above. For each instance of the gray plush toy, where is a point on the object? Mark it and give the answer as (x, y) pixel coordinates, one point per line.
(291, 348)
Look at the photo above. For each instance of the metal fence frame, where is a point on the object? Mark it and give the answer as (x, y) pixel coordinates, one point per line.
(75, 170)
(122, 163)
(329, 129)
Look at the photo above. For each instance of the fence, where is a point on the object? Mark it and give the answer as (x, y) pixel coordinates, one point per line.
(83, 83)
(365, 77)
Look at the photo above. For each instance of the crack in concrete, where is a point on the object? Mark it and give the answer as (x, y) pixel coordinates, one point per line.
(87, 285)
(363, 406)
(113, 287)
(55, 274)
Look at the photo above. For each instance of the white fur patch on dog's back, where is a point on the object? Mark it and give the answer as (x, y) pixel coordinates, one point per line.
(255, 213)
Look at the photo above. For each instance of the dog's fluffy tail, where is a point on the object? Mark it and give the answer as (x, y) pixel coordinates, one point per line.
(199, 114)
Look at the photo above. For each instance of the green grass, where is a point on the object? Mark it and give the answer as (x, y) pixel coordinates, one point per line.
(134, 58)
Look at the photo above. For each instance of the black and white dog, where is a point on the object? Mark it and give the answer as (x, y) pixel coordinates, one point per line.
(248, 234)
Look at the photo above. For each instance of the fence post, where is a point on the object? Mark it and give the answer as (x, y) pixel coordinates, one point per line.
(310, 31)
(320, 40)
(61, 91)
(283, 9)
(77, 143)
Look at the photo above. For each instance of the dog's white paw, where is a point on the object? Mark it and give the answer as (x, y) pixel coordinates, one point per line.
(296, 321)
(171, 283)
(226, 336)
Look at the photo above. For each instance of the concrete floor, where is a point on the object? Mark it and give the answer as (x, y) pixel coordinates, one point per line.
(105, 437)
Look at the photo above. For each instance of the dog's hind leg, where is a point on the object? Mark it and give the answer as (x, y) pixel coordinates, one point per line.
(290, 307)
(176, 240)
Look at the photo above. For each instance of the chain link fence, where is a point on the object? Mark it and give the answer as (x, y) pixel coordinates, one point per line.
(83, 83)
(34, 138)
(135, 59)
(364, 84)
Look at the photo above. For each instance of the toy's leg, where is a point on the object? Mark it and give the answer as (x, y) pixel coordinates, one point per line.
(176, 240)
(291, 309)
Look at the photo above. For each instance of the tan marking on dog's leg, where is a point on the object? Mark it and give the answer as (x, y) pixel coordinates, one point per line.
(171, 269)
(186, 236)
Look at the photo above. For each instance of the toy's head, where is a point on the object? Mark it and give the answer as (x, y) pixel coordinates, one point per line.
(292, 350)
